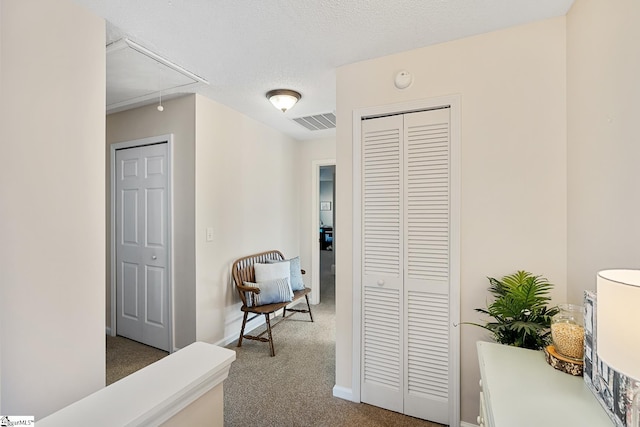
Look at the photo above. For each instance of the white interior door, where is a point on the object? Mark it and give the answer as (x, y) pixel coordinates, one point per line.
(142, 291)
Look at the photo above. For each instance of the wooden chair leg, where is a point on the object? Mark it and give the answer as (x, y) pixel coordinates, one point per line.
(273, 352)
(309, 307)
(244, 323)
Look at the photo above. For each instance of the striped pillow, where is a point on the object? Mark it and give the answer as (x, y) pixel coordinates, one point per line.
(271, 292)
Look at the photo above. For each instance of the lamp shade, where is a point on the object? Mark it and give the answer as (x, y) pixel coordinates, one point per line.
(618, 320)
(283, 99)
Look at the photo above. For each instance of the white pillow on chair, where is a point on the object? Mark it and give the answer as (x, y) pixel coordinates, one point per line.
(269, 272)
(296, 281)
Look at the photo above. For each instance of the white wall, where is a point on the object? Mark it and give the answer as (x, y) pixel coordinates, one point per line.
(52, 244)
(513, 147)
(247, 190)
(1, 210)
(177, 118)
(603, 97)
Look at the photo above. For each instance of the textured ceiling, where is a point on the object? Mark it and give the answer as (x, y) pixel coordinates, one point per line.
(246, 47)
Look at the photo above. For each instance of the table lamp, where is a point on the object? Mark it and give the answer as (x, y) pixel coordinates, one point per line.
(618, 326)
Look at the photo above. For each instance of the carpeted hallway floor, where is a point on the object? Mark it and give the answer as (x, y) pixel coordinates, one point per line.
(295, 388)
(124, 357)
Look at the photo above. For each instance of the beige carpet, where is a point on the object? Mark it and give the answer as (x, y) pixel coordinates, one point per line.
(125, 356)
(294, 388)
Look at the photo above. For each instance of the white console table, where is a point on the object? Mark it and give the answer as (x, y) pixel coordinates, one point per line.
(519, 388)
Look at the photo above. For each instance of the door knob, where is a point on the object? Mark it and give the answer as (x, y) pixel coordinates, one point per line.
(154, 257)
(381, 282)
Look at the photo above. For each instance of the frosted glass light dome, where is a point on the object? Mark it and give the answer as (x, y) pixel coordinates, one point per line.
(283, 99)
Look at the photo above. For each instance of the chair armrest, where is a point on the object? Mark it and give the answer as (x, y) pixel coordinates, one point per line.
(248, 289)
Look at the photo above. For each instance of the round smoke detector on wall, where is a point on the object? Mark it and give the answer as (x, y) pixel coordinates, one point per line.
(403, 79)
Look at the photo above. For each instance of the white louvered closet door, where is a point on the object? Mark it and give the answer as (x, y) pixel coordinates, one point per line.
(405, 247)
(426, 267)
(382, 373)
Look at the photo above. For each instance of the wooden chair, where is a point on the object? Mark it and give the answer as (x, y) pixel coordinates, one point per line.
(243, 271)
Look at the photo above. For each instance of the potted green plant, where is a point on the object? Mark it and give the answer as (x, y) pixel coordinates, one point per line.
(520, 312)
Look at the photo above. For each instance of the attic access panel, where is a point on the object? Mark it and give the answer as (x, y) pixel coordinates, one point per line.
(135, 74)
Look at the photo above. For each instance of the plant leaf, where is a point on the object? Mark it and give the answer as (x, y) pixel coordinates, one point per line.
(520, 313)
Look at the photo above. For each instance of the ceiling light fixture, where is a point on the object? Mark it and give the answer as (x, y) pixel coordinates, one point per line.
(283, 99)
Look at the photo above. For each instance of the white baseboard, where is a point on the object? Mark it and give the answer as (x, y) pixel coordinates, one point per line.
(343, 393)
(234, 330)
(228, 340)
(464, 424)
(295, 303)
(225, 341)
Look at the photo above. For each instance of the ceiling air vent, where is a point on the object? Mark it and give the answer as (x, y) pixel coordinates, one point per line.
(318, 121)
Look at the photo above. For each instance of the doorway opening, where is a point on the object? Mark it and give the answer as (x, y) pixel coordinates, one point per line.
(326, 240)
(323, 232)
